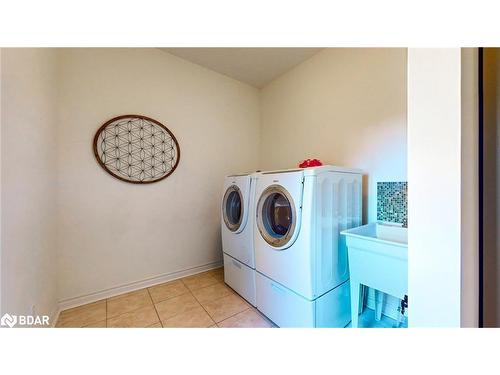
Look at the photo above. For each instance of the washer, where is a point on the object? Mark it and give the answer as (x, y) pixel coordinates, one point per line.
(301, 259)
(237, 224)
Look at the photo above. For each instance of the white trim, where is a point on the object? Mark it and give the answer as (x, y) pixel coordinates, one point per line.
(136, 285)
(434, 110)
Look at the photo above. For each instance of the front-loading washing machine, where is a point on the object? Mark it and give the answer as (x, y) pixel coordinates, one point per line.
(302, 275)
(237, 224)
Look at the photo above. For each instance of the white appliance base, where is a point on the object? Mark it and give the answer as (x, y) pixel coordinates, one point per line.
(287, 309)
(240, 277)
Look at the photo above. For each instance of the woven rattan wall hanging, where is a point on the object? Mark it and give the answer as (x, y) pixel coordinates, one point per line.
(136, 149)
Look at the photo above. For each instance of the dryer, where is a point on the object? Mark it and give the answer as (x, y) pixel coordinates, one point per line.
(237, 223)
(301, 259)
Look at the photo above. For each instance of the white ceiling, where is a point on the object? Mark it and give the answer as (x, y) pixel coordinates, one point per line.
(255, 66)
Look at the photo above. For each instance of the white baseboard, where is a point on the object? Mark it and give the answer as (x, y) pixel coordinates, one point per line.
(54, 316)
(69, 303)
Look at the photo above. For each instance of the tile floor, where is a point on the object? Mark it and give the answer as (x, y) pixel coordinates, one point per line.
(367, 320)
(201, 300)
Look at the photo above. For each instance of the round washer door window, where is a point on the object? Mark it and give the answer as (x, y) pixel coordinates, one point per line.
(232, 208)
(276, 216)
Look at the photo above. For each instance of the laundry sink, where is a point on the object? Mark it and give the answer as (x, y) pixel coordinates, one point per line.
(380, 233)
(378, 258)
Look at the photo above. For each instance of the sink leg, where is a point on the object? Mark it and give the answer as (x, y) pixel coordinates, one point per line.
(363, 290)
(355, 287)
(379, 301)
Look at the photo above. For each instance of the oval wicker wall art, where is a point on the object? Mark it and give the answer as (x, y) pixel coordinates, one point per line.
(136, 149)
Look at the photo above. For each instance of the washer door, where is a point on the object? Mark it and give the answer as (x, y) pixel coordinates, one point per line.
(276, 216)
(233, 208)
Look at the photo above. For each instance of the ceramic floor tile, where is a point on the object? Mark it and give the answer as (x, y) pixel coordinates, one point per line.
(156, 325)
(217, 274)
(173, 303)
(211, 293)
(168, 290)
(83, 315)
(128, 302)
(211, 272)
(195, 317)
(246, 319)
(101, 324)
(199, 281)
(143, 317)
(219, 277)
(177, 305)
(225, 307)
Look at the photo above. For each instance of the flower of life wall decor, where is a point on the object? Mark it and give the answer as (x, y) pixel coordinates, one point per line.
(136, 149)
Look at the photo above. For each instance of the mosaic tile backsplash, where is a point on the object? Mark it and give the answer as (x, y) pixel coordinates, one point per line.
(392, 202)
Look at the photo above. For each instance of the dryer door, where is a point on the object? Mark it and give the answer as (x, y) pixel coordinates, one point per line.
(233, 208)
(277, 217)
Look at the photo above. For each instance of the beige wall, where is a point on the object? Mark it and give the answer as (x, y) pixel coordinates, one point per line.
(28, 162)
(112, 233)
(344, 106)
(491, 218)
